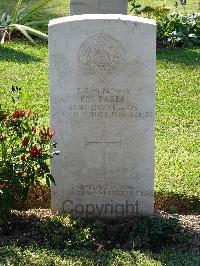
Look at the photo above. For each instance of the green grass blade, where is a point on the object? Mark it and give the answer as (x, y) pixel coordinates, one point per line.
(37, 32)
(15, 13)
(23, 31)
(3, 17)
(35, 9)
(32, 31)
(3, 38)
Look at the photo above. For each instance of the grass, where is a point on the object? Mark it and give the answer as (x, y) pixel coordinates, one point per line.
(56, 8)
(190, 7)
(178, 107)
(35, 255)
(26, 66)
(177, 127)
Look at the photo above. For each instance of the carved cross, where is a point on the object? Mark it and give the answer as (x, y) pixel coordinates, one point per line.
(103, 142)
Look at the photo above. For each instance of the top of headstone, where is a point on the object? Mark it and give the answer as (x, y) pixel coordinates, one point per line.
(79, 7)
(102, 17)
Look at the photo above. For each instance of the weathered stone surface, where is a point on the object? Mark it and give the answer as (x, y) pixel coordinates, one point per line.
(102, 79)
(79, 7)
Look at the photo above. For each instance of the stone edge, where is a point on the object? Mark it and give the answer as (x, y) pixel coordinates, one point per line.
(102, 17)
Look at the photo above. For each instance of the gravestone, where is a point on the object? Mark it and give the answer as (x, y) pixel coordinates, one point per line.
(79, 7)
(102, 79)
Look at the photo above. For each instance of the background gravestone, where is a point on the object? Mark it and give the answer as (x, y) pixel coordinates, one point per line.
(102, 78)
(79, 7)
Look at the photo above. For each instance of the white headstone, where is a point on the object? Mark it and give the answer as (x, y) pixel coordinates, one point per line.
(102, 78)
(79, 7)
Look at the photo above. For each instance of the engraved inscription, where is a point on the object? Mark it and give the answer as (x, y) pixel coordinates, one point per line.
(105, 102)
(98, 190)
(101, 55)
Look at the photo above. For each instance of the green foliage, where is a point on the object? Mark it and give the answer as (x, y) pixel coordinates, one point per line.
(6, 202)
(180, 29)
(177, 29)
(65, 233)
(147, 233)
(24, 19)
(25, 154)
(154, 233)
(135, 6)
